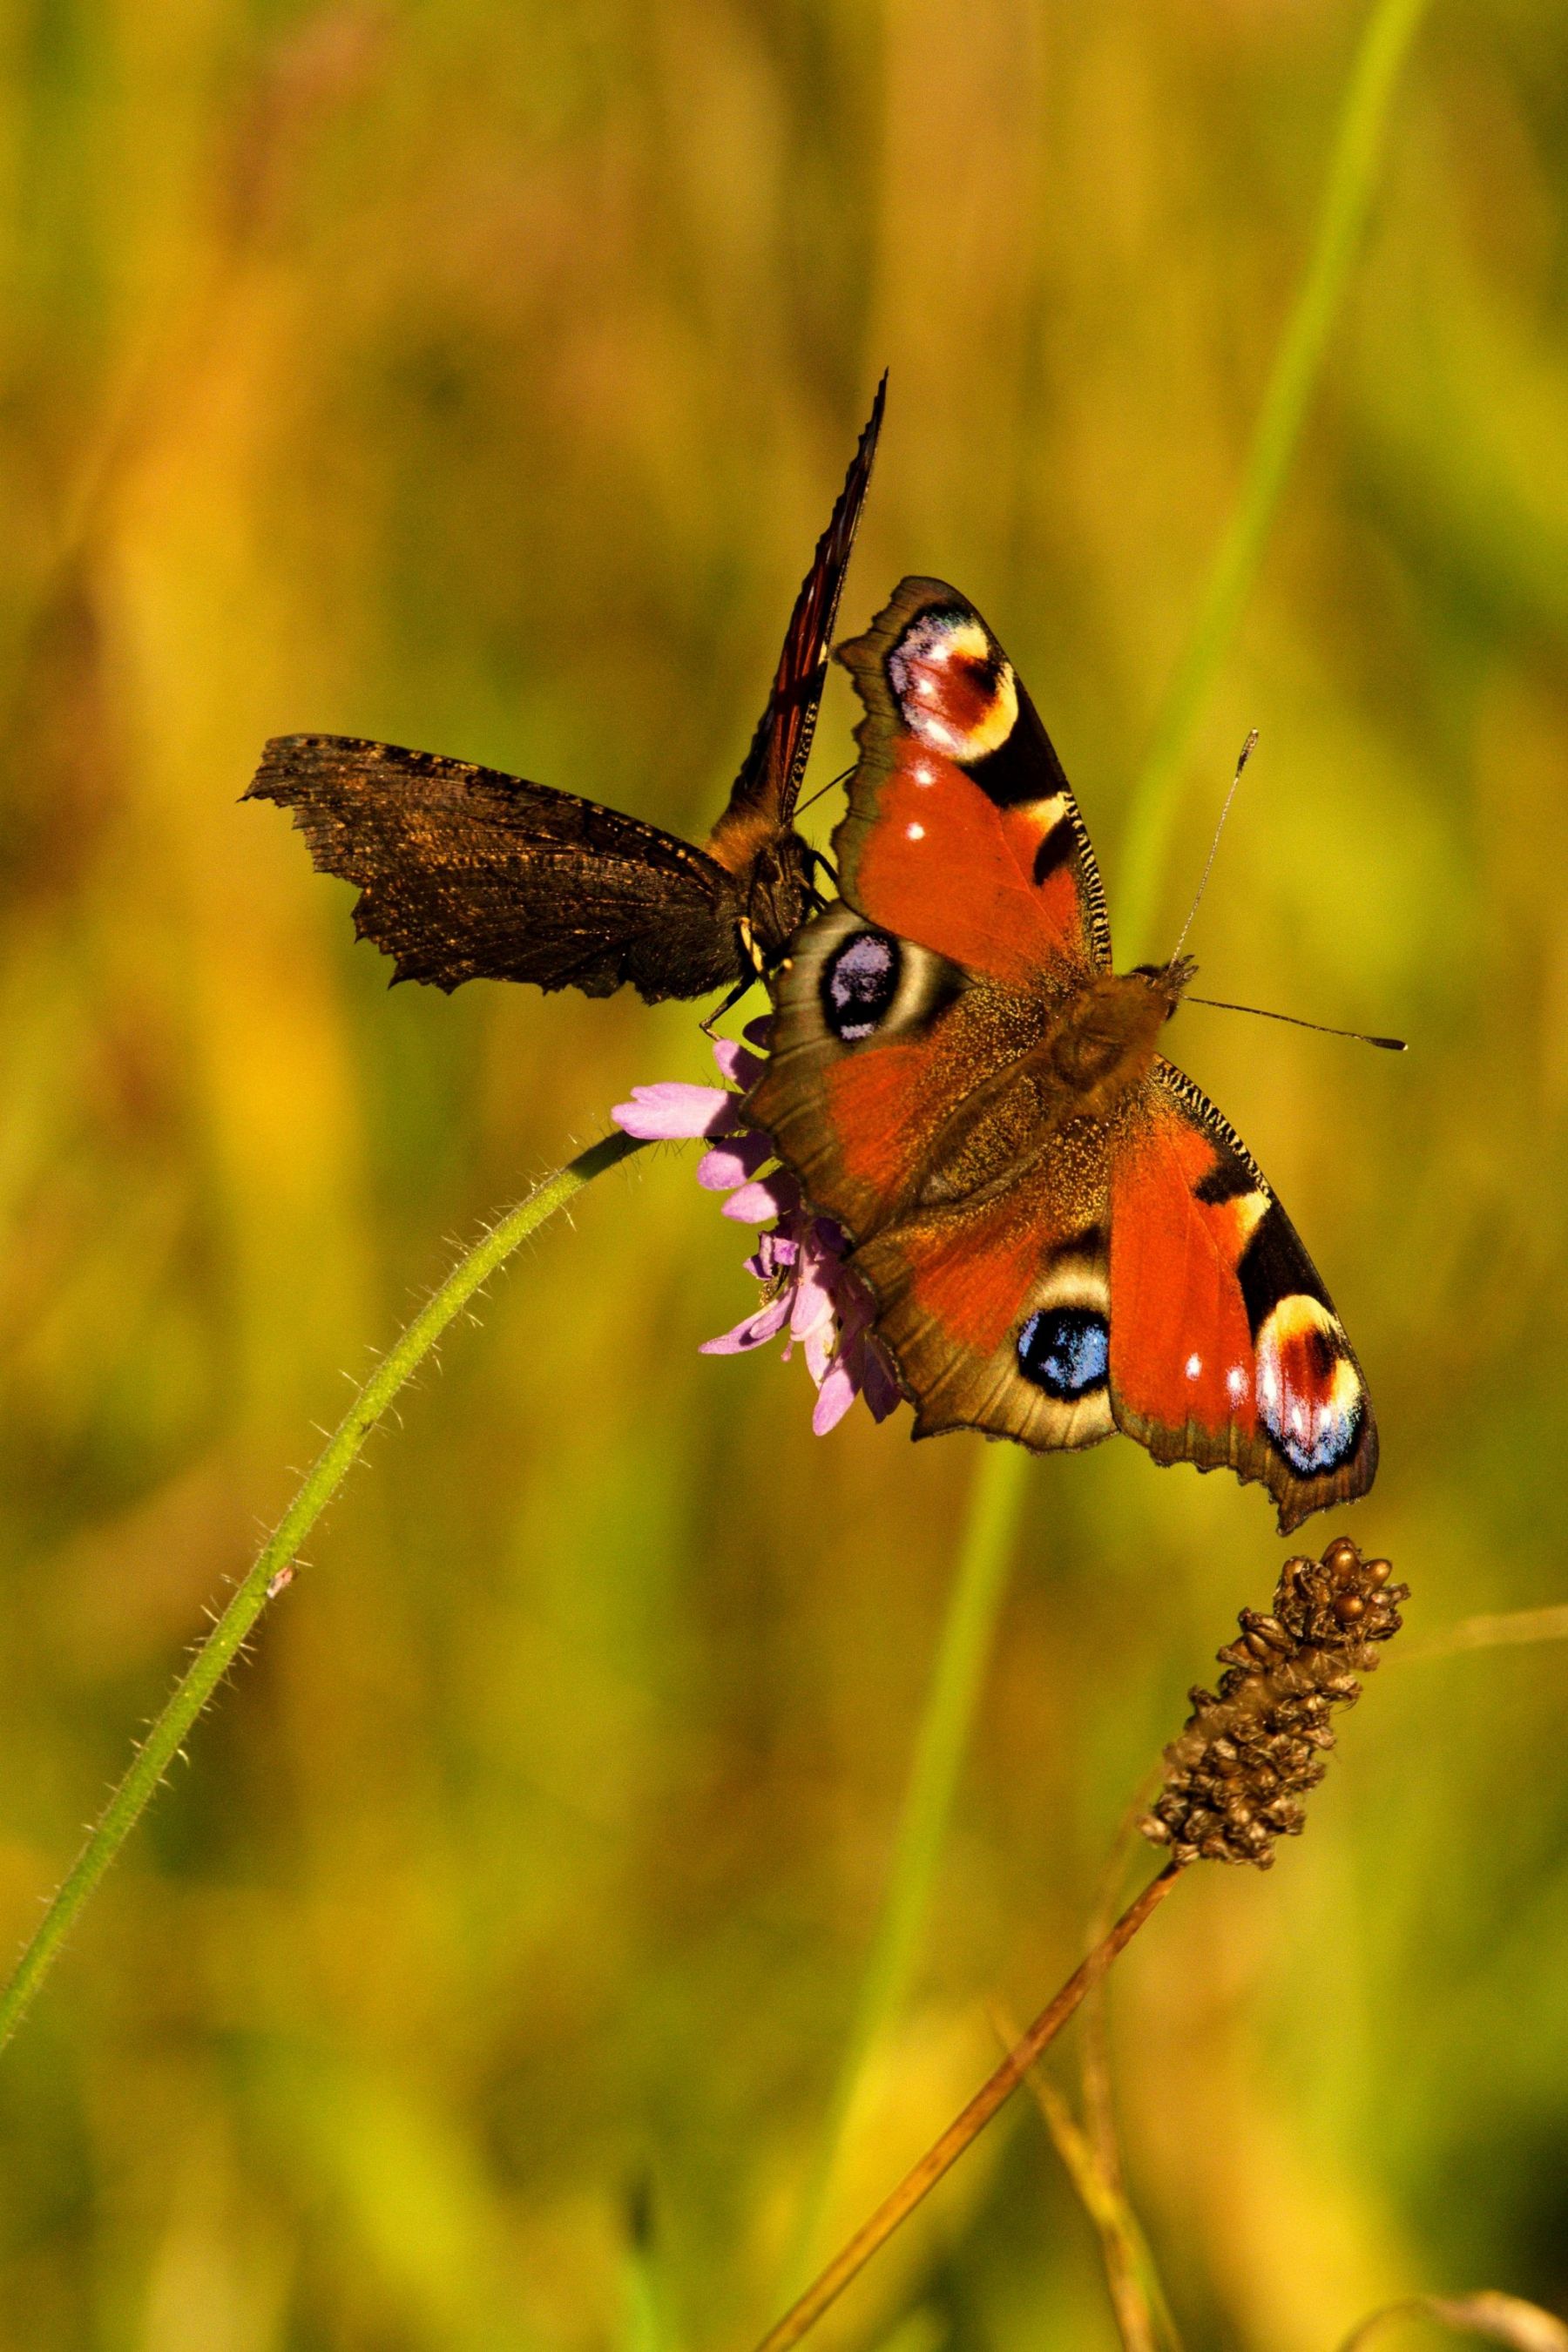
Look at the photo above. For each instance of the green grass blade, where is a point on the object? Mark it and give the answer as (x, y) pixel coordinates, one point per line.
(1347, 197)
(941, 1744)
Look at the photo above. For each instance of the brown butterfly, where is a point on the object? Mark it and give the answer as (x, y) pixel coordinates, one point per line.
(1061, 1234)
(467, 873)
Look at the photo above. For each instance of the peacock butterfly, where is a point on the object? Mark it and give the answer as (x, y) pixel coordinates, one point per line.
(467, 873)
(1063, 1237)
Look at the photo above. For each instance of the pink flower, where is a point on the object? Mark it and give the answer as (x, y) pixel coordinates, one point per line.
(809, 1295)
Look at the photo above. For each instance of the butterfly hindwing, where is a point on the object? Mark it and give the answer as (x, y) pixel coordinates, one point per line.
(961, 832)
(896, 1090)
(995, 1313)
(1224, 1346)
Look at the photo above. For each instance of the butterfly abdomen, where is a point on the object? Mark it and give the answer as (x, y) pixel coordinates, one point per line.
(1055, 1077)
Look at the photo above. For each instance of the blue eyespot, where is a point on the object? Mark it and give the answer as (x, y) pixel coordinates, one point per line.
(1065, 1351)
(859, 981)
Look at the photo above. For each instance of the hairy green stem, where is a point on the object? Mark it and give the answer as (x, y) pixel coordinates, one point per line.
(941, 1743)
(1359, 144)
(270, 1572)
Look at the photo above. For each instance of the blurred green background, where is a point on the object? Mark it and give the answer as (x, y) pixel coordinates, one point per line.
(479, 377)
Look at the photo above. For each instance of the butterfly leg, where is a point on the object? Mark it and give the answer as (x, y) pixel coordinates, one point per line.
(815, 861)
(742, 987)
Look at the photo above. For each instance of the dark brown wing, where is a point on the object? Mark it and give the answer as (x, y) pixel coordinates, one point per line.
(466, 873)
(763, 796)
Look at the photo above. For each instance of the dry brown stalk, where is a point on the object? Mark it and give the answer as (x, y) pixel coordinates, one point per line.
(966, 2127)
(1137, 2300)
(1234, 1782)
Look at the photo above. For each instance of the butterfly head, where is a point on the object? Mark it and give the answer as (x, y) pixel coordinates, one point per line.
(1168, 980)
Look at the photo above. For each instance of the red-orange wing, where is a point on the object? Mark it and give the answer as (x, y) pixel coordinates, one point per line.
(962, 833)
(768, 785)
(971, 906)
(992, 1299)
(1226, 1349)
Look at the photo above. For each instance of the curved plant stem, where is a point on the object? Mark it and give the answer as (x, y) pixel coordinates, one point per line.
(270, 1570)
(1353, 174)
(966, 2127)
(941, 1743)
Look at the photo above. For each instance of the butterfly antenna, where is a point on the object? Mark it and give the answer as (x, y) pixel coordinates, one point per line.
(1214, 846)
(823, 789)
(1357, 1036)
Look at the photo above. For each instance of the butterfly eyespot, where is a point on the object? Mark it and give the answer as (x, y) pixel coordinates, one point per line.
(1065, 1351)
(859, 981)
(1310, 1395)
(956, 690)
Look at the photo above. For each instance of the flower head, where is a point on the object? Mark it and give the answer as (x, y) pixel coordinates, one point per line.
(1236, 1778)
(809, 1294)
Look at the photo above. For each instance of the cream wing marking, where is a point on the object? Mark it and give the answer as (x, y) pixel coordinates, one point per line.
(941, 652)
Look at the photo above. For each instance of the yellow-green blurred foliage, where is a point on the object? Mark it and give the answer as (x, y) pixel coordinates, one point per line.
(479, 375)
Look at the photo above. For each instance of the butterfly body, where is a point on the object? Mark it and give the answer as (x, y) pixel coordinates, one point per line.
(1061, 1235)
(467, 873)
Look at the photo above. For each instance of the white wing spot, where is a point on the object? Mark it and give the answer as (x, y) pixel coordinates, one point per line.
(1194, 1366)
(1236, 1384)
(914, 833)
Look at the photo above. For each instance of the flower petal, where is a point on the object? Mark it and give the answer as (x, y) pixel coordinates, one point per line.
(815, 1300)
(877, 1386)
(815, 1326)
(737, 1066)
(777, 1253)
(769, 1197)
(672, 1110)
(729, 1164)
(834, 1399)
(754, 1332)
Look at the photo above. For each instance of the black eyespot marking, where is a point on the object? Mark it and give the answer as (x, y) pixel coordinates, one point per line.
(1059, 846)
(1274, 1267)
(859, 981)
(1025, 768)
(1065, 1351)
(1228, 1179)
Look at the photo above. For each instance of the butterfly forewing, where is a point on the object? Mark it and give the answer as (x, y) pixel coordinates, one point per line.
(467, 873)
(1061, 1234)
(769, 782)
(1224, 1346)
(962, 833)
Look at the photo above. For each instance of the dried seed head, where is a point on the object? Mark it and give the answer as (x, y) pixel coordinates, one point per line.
(1236, 1777)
